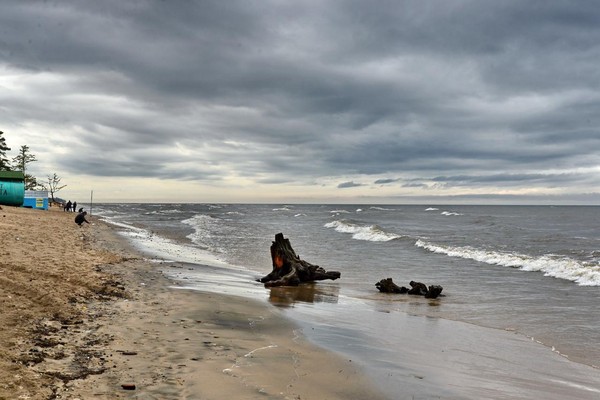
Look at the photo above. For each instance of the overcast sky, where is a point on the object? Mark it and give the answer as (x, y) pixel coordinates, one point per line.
(306, 101)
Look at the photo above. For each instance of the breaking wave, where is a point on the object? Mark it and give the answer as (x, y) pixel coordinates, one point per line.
(234, 213)
(203, 226)
(165, 212)
(164, 248)
(450, 213)
(284, 208)
(371, 233)
(582, 273)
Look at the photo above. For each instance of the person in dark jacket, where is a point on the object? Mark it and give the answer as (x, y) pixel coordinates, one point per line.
(80, 218)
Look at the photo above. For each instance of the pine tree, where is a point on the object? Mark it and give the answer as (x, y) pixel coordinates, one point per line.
(20, 164)
(4, 165)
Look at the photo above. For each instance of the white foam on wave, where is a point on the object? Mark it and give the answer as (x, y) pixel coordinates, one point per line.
(130, 228)
(172, 211)
(450, 213)
(381, 209)
(202, 224)
(371, 233)
(198, 219)
(106, 212)
(164, 248)
(339, 212)
(234, 213)
(432, 209)
(584, 274)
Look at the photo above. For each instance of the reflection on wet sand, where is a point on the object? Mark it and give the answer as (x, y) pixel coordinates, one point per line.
(286, 296)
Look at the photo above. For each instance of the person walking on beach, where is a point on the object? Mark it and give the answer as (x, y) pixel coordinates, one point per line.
(74, 206)
(80, 218)
(67, 206)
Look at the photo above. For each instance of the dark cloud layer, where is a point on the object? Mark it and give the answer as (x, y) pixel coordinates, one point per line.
(478, 95)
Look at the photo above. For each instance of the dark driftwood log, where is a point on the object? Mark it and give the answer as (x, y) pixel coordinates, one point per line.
(289, 269)
(434, 291)
(388, 286)
(417, 288)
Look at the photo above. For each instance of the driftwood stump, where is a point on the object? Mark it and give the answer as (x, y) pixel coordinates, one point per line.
(289, 269)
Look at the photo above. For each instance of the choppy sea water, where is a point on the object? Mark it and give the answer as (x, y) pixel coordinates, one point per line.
(520, 283)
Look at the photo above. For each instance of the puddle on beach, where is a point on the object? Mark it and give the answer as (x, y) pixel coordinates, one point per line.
(307, 293)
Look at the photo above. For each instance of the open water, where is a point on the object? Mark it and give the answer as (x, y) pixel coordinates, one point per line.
(520, 317)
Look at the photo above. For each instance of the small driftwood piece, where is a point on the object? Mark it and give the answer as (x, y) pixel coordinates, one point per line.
(434, 291)
(387, 285)
(417, 288)
(289, 269)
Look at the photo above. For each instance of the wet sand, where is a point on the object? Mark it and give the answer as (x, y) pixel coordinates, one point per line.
(85, 316)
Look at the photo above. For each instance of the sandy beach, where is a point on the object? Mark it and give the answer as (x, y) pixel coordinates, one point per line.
(85, 316)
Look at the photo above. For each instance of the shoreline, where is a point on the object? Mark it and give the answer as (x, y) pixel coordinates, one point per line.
(91, 317)
(131, 327)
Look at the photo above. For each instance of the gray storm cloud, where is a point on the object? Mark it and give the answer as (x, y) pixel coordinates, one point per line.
(455, 94)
